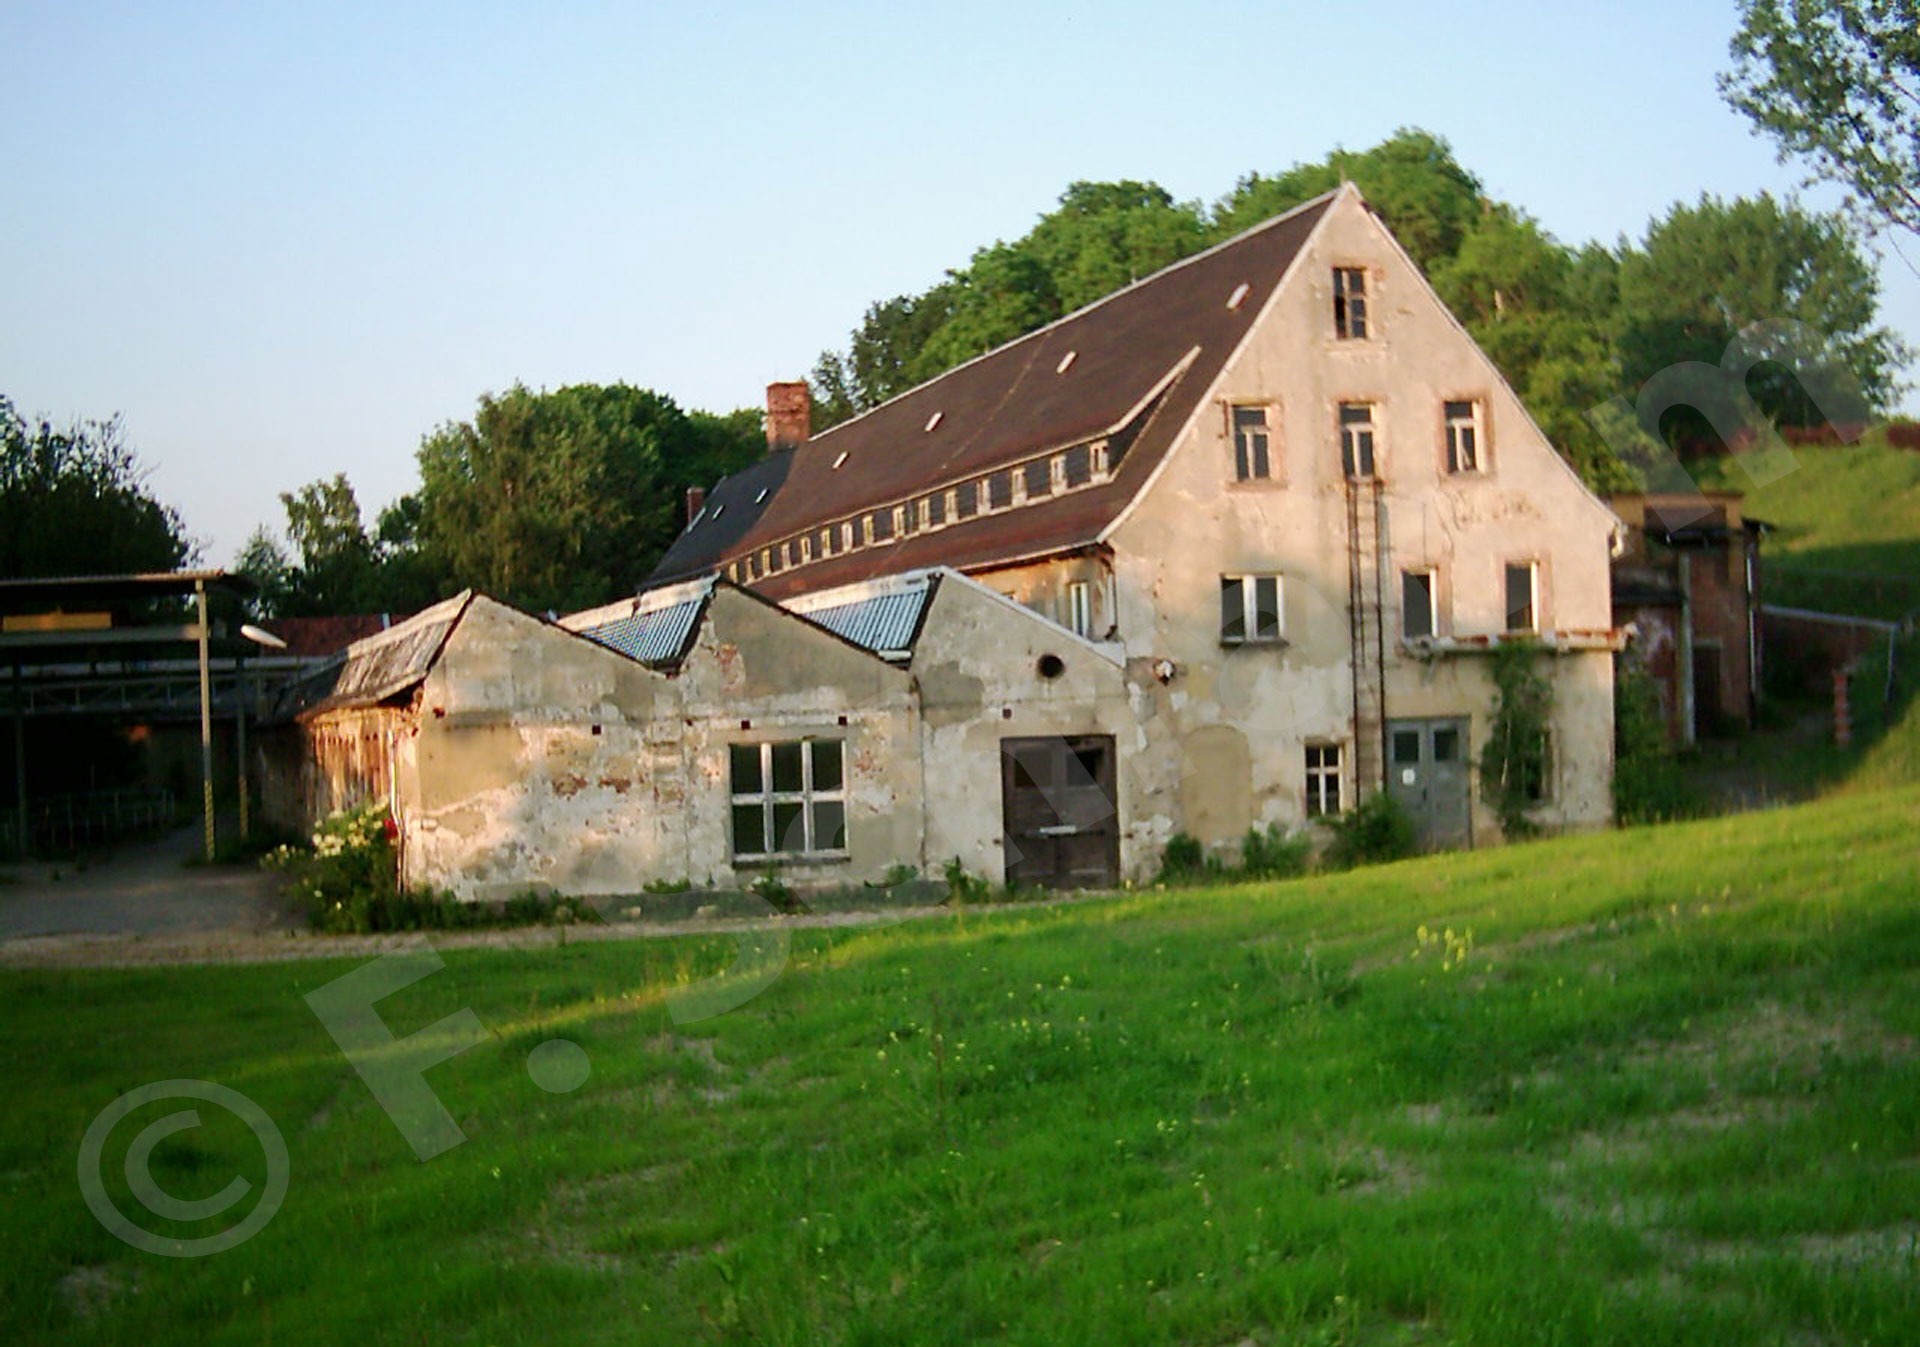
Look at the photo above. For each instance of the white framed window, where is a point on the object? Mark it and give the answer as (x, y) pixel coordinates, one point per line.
(1523, 596)
(1249, 609)
(1466, 438)
(1323, 780)
(1080, 608)
(1356, 439)
(1419, 603)
(1251, 461)
(789, 798)
(1350, 303)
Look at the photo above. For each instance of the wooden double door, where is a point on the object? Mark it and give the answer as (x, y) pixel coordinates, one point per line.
(1061, 818)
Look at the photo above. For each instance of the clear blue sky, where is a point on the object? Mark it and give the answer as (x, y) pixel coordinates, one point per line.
(286, 241)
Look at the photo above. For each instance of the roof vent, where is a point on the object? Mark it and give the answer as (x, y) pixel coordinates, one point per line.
(1239, 294)
(935, 419)
(761, 497)
(1065, 361)
(842, 459)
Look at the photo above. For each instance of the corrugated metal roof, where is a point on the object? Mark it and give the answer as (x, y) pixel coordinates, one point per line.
(882, 616)
(654, 628)
(656, 637)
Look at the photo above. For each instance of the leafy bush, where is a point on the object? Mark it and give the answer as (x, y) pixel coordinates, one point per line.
(349, 880)
(1377, 829)
(1648, 783)
(1185, 861)
(1273, 853)
(1513, 769)
(964, 887)
(351, 869)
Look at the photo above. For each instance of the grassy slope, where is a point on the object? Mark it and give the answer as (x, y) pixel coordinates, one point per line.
(1853, 508)
(1671, 1093)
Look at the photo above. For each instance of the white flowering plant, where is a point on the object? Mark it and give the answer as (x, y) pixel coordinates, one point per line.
(349, 873)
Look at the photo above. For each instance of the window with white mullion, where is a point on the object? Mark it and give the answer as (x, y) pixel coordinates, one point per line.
(788, 798)
(1249, 609)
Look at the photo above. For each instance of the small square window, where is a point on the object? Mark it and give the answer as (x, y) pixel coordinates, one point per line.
(1350, 303)
(788, 798)
(1250, 459)
(1250, 609)
(1406, 748)
(1000, 490)
(1446, 744)
(966, 500)
(936, 509)
(1323, 780)
(1463, 436)
(1077, 465)
(1039, 479)
(880, 525)
(1356, 439)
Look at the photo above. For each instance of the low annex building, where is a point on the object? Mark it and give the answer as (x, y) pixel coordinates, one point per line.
(1226, 549)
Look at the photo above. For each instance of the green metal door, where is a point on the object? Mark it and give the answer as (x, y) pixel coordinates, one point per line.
(1427, 772)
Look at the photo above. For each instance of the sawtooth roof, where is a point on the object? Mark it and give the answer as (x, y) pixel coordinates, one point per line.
(1130, 368)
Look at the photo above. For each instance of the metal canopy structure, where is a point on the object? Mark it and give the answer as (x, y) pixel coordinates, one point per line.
(110, 644)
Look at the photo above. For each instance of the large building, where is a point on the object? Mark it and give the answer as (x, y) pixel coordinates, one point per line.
(1229, 548)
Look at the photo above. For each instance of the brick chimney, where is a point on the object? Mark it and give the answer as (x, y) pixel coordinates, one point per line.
(789, 414)
(696, 497)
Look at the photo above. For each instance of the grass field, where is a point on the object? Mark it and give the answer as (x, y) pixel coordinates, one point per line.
(1653, 1087)
(1837, 510)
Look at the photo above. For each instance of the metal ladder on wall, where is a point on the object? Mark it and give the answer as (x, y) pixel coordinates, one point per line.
(1366, 624)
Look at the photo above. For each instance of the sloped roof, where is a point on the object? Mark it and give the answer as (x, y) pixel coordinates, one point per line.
(883, 616)
(1131, 367)
(726, 517)
(379, 667)
(656, 628)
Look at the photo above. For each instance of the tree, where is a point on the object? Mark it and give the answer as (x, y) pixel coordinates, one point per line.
(1704, 272)
(565, 499)
(75, 502)
(1837, 82)
(1411, 178)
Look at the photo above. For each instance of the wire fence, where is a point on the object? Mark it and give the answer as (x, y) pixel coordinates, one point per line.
(62, 823)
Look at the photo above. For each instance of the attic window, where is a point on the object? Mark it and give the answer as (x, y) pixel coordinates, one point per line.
(842, 459)
(1000, 491)
(1077, 465)
(935, 419)
(966, 500)
(1239, 294)
(1065, 361)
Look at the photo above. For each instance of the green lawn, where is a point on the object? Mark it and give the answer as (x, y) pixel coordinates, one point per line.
(1853, 508)
(1660, 1086)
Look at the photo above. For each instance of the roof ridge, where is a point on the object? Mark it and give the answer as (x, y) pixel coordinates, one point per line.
(1149, 278)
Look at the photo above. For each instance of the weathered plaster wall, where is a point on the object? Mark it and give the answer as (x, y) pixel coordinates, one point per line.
(757, 674)
(977, 667)
(538, 759)
(1252, 709)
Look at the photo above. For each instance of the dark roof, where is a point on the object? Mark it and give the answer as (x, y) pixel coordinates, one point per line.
(1141, 359)
(312, 637)
(729, 511)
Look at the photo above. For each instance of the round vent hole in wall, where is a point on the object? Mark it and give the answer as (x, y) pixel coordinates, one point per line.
(1051, 666)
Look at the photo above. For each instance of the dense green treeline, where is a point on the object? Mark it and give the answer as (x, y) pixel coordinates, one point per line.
(1569, 327)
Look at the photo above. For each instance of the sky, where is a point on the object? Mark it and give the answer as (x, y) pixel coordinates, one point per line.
(284, 241)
